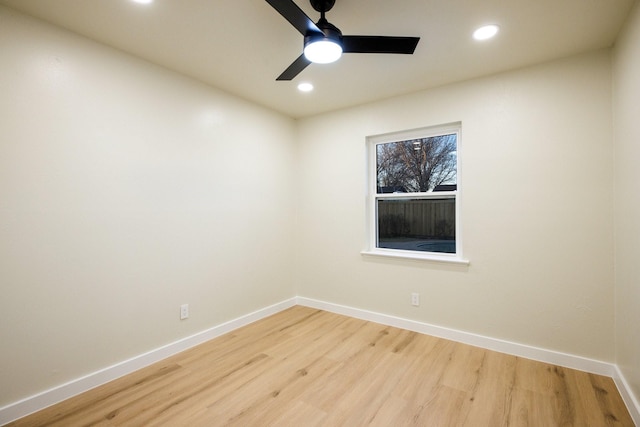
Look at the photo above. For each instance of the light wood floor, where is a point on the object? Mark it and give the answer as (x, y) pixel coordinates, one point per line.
(305, 367)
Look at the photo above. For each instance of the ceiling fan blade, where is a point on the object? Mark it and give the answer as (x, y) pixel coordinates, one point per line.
(296, 17)
(379, 44)
(294, 69)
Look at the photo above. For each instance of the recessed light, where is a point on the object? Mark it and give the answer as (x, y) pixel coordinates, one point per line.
(486, 32)
(142, 1)
(305, 87)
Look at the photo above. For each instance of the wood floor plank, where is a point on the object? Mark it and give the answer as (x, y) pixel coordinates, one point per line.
(529, 408)
(491, 399)
(301, 414)
(307, 367)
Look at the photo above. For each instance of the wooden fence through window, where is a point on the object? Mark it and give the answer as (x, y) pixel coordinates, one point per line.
(425, 218)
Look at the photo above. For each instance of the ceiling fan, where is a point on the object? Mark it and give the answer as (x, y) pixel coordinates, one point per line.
(324, 42)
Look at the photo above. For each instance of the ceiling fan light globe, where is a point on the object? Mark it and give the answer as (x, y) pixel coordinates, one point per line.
(323, 51)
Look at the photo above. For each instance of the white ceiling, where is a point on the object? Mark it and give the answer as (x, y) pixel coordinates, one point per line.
(241, 46)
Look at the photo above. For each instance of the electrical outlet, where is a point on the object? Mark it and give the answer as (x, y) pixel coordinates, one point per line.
(184, 311)
(415, 299)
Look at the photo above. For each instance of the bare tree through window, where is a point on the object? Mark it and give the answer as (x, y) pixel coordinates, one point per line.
(418, 165)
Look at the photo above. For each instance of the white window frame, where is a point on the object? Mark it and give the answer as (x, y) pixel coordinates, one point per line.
(373, 196)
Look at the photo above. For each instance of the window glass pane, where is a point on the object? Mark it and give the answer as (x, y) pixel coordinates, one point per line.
(427, 225)
(417, 165)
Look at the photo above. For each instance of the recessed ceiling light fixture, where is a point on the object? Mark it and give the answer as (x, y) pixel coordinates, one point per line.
(142, 1)
(305, 87)
(486, 32)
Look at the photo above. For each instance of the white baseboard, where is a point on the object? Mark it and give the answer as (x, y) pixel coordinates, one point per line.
(50, 397)
(521, 350)
(58, 394)
(516, 349)
(627, 395)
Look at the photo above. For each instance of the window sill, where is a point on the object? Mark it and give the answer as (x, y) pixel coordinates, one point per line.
(451, 259)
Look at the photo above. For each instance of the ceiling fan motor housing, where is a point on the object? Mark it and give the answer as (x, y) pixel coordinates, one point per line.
(331, 32)
(322, 5)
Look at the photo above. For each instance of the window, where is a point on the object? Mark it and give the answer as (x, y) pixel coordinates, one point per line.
(413, 194)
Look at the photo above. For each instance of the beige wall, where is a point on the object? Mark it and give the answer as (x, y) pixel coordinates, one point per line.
(536, 204)
(125, 191)
(626, 110)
